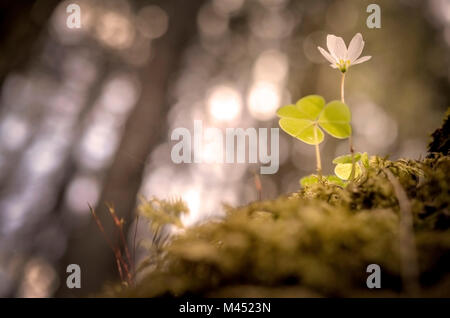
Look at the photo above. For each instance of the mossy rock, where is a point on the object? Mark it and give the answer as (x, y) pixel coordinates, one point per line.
(313, 243)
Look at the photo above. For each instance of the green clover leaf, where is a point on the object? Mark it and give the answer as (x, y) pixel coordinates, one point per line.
(309, 180)
(335, 119)
(343, 163)
(313, 179)
(305, 119)
(347, 158)
(343, 170)
(336, 180)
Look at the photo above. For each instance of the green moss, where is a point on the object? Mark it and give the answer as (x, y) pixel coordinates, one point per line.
(317, 242)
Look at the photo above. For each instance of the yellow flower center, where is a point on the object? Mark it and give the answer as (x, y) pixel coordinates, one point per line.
(343, 65)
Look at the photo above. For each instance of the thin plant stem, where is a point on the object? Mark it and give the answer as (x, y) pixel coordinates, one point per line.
(350, 138)
(116, 251)
(258, 185)
(134, 243)
(319, 162)
(342, 88)
(119, 224)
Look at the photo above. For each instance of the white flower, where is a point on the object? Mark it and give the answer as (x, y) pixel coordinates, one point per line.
(339, 56)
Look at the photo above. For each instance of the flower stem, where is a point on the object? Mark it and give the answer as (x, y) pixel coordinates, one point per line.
(350, 139)
(342, 88)
(319, 162)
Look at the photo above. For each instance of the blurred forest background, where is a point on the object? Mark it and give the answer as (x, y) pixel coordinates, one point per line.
(86, 114)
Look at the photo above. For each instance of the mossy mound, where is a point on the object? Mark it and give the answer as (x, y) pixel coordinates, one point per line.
(317, 242)
(313, 243)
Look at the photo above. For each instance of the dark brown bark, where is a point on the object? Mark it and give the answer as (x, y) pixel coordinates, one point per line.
(21, 23)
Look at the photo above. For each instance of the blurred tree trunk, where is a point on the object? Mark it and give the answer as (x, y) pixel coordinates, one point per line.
(143, 131)
(21, 23)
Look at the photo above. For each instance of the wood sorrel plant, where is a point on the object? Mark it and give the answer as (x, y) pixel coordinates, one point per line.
(305, 119)
(342, 58)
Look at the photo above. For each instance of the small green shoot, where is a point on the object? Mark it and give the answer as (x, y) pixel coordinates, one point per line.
(343, 163)
(342, 170)
(312, 179)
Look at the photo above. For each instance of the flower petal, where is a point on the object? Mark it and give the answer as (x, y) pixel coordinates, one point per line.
(340, 49)
(333, 65)
(362, 59)
(331, 45)
(355, 47)
(326, 55)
